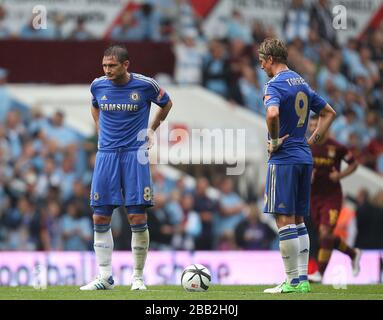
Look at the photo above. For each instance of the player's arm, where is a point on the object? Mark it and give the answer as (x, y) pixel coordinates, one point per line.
(272, 120)
(96, 116)
(326, 117)
(160, 116)
(349, 169)
(352, 165)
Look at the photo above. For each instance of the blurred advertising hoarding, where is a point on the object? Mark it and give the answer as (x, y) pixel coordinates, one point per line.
(165, 267)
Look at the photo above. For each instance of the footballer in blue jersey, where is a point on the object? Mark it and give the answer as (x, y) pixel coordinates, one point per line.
(121, 102)
(288, 100)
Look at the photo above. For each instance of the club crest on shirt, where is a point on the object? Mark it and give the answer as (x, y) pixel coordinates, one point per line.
(134, 96)
(331, 152)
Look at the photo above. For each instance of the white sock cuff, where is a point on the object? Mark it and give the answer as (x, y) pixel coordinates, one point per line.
(301, 225)
(288, 226)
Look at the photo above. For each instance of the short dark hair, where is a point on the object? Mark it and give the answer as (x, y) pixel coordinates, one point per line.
(120, 52)
(275, 48)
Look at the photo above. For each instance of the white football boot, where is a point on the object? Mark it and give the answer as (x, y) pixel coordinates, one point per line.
(315, 277)
(284, 287)
(138, 284)
(99, 284)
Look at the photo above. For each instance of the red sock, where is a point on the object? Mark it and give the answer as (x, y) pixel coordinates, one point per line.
(340, 245)
(324, 254)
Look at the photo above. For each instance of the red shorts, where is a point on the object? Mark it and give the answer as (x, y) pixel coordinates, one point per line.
(325, 210)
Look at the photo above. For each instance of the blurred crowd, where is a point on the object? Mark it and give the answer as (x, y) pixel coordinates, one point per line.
(46, 166)
(45, 175)
(348, 76)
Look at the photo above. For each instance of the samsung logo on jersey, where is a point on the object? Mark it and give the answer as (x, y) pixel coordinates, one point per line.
(118, 107)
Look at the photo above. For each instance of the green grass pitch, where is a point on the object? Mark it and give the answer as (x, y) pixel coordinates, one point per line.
(171, 292)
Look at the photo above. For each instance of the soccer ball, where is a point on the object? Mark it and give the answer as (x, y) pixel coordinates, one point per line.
(196, 278)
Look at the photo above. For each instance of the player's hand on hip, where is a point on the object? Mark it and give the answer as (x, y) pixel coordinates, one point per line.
(334, 175)
(272, 148)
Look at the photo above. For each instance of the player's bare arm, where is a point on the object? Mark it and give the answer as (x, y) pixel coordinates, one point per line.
(326, 117)
(160, 116)
(96, 116)
(272, 120)
(338, 175)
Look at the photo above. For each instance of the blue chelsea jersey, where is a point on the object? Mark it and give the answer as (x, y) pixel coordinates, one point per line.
(294, 97)
(124, 110)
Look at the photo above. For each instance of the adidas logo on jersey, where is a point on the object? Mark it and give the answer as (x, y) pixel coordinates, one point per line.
(104, 98)
(282, 206)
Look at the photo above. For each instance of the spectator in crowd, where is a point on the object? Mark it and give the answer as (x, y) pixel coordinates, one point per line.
(50, 232)
(374, 149)
(67, 176)
(239, 56)
(57, 32)
(252, 234)
(190, 227)
(371, 69)
(231, 209)
(331, 73)
(15, 131)
(369, 220)
(321, 21)
(296, 22)
(345, 125)
(35, 30)
(46, 178)
(161, 183)
(143, 24)
(5, 97)
(189, 58)
(22, 225)
(80, 31)
(185, 17)
(77, 231)
(216, 69)
(161, 227)
(59, 132)
(4, 30)
(237, 28)
(312, 48)
(376, 44)
(206, 208)
(128, 29)
(149, 20)
(38, 121)
(251, 91)
(258, 31)
(80, 196)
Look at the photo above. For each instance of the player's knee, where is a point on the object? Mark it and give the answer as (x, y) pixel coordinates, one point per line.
(137, 219)
(98, 219)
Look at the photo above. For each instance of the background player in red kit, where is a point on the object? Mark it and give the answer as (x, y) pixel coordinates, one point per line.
(327, 198)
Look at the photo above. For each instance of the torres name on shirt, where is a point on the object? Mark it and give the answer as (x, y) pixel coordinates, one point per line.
(294, 97)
